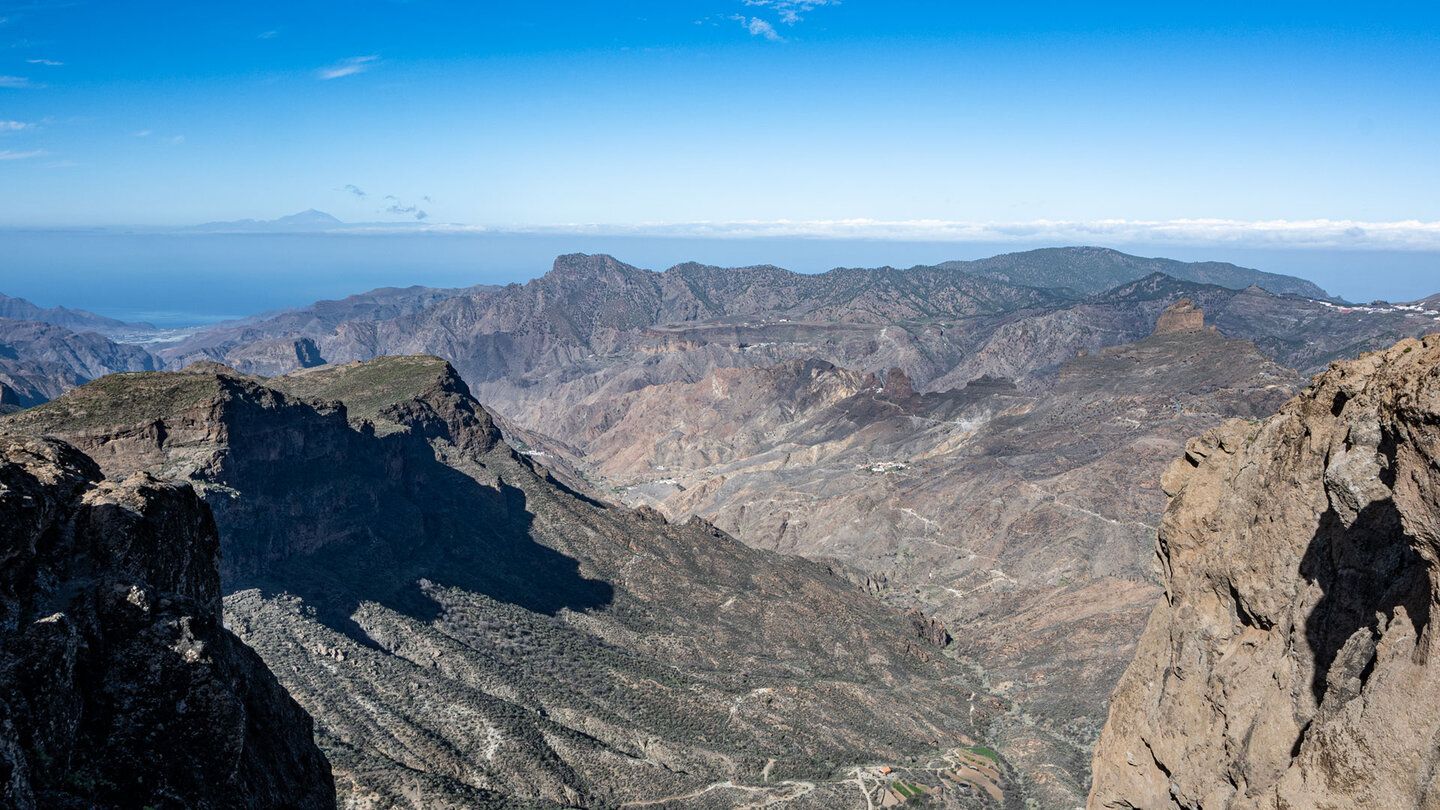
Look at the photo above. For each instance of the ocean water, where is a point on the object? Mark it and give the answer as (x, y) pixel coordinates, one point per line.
(186, 279)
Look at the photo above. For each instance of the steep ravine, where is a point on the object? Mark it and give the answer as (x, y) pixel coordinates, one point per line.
(1290, 663)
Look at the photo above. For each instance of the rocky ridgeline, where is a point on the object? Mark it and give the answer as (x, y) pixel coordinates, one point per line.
(119, 686)
(1290, 663)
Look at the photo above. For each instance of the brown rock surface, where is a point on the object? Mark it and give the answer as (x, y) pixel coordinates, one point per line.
(1181, 316)
(1290, 663)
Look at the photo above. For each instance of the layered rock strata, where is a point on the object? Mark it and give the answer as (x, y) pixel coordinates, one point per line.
(1290, 663)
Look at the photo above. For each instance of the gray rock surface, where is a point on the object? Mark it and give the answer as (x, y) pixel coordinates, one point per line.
(119, 686)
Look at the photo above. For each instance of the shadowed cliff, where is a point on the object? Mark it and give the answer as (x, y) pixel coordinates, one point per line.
(119, 687)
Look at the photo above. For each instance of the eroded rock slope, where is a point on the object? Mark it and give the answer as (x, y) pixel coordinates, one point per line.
(1292, 660)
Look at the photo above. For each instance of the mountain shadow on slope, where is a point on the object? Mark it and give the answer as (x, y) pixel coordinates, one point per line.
(634, 658)
(334, 512)
(465, 535)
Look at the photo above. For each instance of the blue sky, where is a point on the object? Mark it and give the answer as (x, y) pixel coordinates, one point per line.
(644, 112)
(1195, 124)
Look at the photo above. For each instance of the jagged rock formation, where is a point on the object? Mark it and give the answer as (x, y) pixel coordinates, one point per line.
(1291, 661)
(467, 633)
(119, 688)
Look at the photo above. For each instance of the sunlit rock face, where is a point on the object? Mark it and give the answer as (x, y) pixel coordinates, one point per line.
(1289, 664)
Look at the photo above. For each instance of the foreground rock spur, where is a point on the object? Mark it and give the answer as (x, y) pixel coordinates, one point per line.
(1290, 663)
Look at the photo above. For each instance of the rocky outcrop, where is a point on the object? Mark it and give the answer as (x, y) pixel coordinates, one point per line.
(928, 628)
(119, 686)
(1290, 662)
(1181, 316)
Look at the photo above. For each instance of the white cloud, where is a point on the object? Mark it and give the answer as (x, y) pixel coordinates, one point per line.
(346, 67)
(144, 133)
(50, 62)
(15, 82)
(6, 154)
(14, 126)
(789, 11)
(1318, 233)
(175, 140)
(758, 27)
(268, 34)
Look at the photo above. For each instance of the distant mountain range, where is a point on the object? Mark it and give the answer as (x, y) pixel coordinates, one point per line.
(301, 222)
(307, 220)
(1087, 271)
(77, 320)
(585, 303)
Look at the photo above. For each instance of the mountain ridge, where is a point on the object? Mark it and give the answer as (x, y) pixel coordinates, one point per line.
(77, 320)
(1090, 270)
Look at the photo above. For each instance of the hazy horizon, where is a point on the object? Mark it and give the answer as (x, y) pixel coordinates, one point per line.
(187, 279)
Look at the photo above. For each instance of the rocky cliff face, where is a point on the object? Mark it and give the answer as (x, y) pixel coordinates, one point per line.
(1290, 662)
(1182, 316)
(119, 687)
